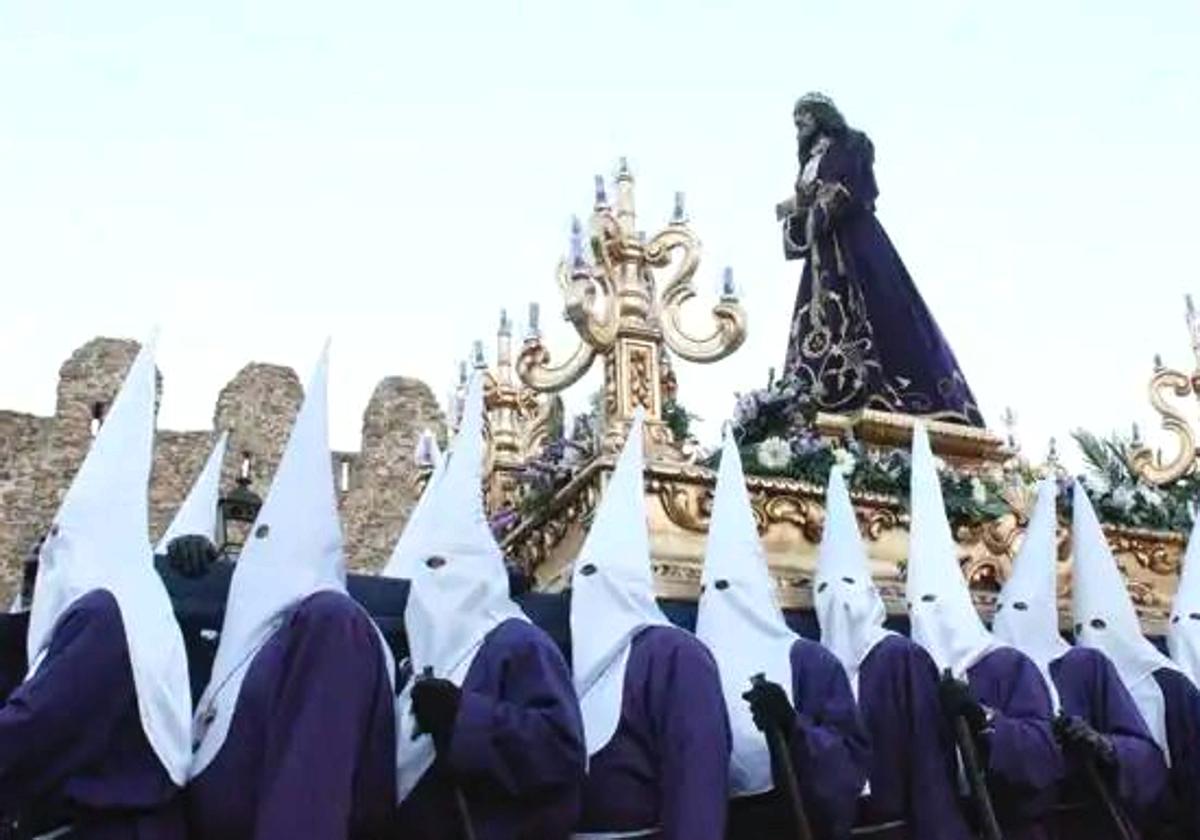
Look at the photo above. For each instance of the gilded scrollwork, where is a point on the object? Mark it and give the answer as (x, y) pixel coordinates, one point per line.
(1162, 557)
(729, 317)
(687, 506)
(1146, 462)
(983, 573)
(641, 387)
(1146, 595)
(790, 515)
(612, 303)
(536, 371)
(584, 291)
(805, 514)
(874, 521)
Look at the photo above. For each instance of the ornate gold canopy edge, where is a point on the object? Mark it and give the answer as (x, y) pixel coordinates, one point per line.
(790, 516)
(886, 429)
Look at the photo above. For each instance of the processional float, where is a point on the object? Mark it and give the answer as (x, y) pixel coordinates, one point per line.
(624, 293)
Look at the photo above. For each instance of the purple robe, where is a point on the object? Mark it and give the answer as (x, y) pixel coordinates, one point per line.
(516, 752)
(914, 776)
(311, 749)
(1090, 688)
(71, 738)
(1182, 700)
(830, 754)
(667, 764)
(1024, 763)
(872, 342)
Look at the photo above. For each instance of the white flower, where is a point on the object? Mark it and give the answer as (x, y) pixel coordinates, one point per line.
(939, 464)
(978, 491)
(774, 453)
(746, 409)
(845, 461)
(1123, 497)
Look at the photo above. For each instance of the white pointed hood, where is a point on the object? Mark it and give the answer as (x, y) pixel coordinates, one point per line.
(459, 585)
(740, 620)
(404, 554)
(294, 550)
(198, 513)
(612, 594)
(1183, 635)
(1027, 609)
(99, 540)
(1105, 618)
(943, 616)
(849, 608)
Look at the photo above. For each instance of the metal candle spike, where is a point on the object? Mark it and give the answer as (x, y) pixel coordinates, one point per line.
(679, 214)
(728, 289)
(577, 259)
(601, 194)
(535, 329)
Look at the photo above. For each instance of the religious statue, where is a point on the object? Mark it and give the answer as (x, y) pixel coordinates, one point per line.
(861, 336)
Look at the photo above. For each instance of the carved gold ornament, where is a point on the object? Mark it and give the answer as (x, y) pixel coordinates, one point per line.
(623, 310)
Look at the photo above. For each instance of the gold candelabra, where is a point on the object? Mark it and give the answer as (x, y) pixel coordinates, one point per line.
(624, 315)
(519, 419)
(1149, 464)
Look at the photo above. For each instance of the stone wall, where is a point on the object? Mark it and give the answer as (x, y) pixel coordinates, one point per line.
(39, 455)
(382, 477)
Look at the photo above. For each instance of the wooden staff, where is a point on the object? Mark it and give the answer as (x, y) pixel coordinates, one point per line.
(1109, 802)
(975, 775)
(784, 774)
(465, 824)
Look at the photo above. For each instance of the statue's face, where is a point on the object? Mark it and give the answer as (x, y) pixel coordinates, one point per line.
(806, 124)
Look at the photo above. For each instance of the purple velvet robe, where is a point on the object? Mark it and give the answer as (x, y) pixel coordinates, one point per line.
(516, 752)
(311, 749)
(1090, 688)
(1024, 763)
(667, 764)
(1182, 699)
(914, 775)
(71, 738)
(830, 754)
(872, 342)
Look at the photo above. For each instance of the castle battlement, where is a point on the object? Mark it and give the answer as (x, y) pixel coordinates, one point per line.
(377, 485)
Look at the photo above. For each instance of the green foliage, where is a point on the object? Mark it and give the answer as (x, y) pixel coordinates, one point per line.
(1121, 498)
(678, 419)
(970, 499)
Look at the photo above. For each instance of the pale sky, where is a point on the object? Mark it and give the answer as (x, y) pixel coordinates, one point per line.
(254, 177)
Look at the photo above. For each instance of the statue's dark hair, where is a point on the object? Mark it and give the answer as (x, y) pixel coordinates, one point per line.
(832, 124)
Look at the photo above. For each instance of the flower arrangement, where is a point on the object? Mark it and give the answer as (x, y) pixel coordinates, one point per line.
(782, 409)
(776, 437)
(1121, 497)
(808, 457)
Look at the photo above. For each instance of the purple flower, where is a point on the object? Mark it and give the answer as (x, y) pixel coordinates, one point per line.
(805, 443)
(503, 521)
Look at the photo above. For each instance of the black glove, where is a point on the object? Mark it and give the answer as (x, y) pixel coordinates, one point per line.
(518, 582)
(435, 706)
(1075, 732)
(770, 706)
(191, 555)
(957, 701)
